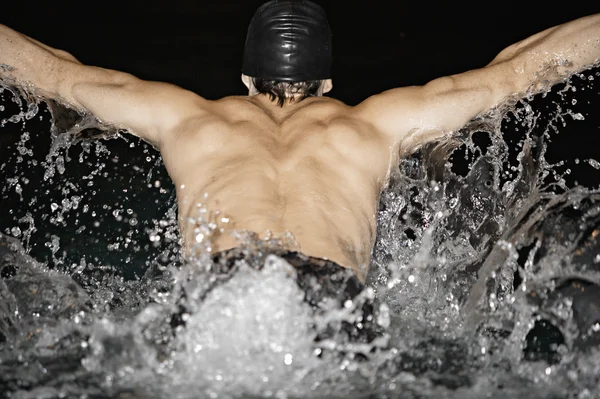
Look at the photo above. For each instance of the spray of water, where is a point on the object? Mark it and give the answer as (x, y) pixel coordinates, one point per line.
(484, 278)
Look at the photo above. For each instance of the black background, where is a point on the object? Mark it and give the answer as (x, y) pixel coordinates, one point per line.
(198, 45)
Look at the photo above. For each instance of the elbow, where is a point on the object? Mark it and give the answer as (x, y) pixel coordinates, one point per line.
(509, 78)
(445, 84)
(122, 80)
(515, 80)
(529, 76)
(66, 56)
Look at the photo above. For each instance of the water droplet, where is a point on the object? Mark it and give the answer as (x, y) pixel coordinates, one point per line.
(595, 164)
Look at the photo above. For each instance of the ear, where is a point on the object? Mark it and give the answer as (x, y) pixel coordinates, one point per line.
(246, 80)
(327, 86)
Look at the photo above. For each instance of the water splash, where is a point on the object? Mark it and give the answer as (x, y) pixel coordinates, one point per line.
(485, 272)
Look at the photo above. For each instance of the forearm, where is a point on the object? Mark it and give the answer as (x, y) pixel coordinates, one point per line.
(30, 63)
(50, 72)
(550, 56)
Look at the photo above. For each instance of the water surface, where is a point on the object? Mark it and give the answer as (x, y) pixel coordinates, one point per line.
(484, 272)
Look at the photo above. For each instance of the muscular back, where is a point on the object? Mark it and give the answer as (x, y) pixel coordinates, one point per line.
(313, 169)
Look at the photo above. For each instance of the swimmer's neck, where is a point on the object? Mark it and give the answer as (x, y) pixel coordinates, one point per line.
(290, 103)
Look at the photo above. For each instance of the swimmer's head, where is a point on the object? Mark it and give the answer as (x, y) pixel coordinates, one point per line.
(288, 50)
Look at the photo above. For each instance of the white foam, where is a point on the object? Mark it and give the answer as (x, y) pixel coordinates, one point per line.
(251, 335)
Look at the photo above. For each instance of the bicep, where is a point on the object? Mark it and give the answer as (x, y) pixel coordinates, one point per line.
(144, 108)
(412, 116)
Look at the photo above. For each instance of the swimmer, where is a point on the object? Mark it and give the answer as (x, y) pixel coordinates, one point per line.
(286, 159)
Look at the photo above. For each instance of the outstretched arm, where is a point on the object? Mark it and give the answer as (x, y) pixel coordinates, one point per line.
(146, 109)
(417, 114)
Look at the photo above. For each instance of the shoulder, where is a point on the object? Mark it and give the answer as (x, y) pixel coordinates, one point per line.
(393, 111)
(324, 108)
(404, 97)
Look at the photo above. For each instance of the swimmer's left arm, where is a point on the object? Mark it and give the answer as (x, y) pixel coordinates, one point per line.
(418, 114)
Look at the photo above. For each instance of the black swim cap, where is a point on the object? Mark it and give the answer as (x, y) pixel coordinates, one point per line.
(288, 41)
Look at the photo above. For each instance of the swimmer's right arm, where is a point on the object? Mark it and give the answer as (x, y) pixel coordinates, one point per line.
(146, 109)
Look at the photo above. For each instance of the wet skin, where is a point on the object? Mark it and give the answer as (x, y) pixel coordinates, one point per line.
(314, 168)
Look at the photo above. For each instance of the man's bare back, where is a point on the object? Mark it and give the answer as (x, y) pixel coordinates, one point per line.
(314, 169)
